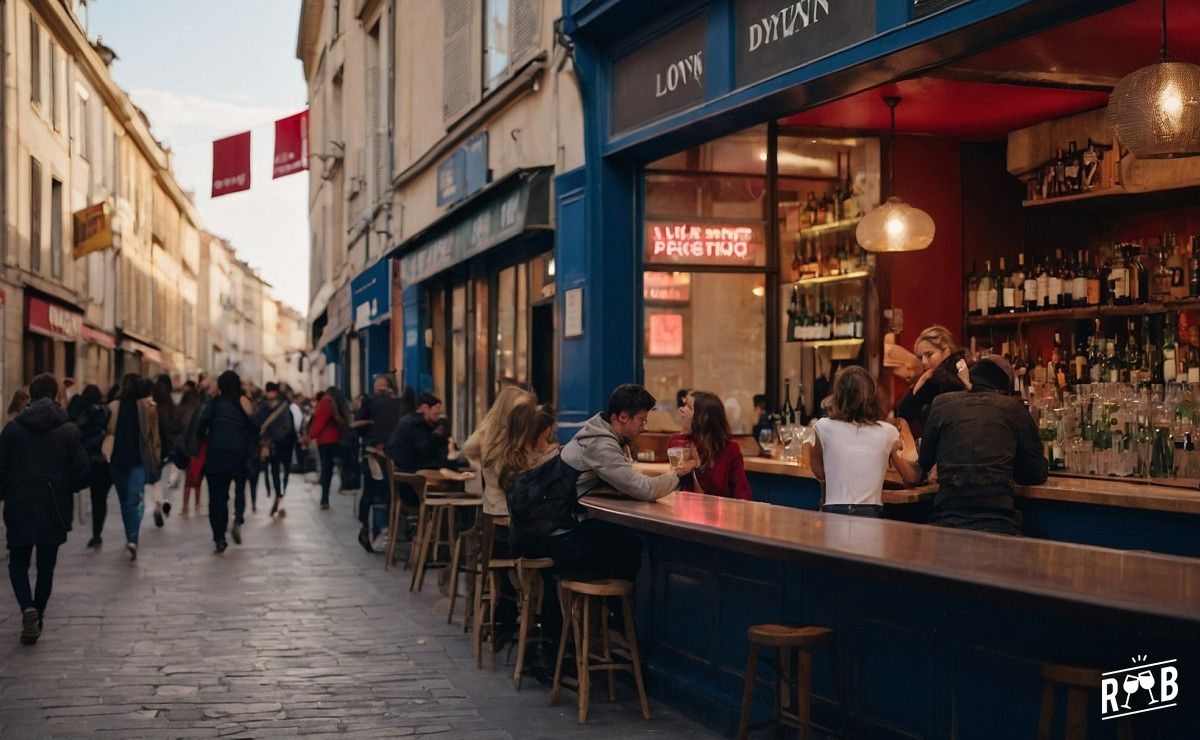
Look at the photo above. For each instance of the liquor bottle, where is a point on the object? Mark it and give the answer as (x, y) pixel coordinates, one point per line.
(1018, 282)
(1089, 174)
(1008, 294)
(1194, 269)
(994, 291)
(1177, 266)
(793, 313)
(1162, 279)
(984, 288)
(1133, 356)
(1079, 284)
(1059, 358)
(787, 414)
(810, 210)
(1066, 278)
(973, 292)
(823, 208)
(1112, 364)
(1104, 290)
(1032, 297)
(1095, 356)
(1073, 166)
(1079, 365)
(1169, 368)
(1060, 174)
(1118, 279)
(858, 320)
(1043, 285)
(1139, 277)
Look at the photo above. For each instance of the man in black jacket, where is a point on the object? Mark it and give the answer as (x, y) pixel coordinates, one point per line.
(42, 464)
(982, 441)
(375, 420)
(416, 443)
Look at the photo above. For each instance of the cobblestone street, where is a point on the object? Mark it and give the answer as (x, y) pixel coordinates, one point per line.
(297, 631)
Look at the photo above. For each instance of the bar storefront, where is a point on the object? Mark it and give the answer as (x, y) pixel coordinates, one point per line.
(733, 149)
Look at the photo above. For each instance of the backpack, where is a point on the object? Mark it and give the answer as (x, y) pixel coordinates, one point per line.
(543, 500)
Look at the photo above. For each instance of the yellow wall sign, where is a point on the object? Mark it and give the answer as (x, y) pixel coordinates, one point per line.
(93, 229)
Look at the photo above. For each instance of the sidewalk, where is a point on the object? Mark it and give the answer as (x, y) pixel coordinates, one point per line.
(297, 631)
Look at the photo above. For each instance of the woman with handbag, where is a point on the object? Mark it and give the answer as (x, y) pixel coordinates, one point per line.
(134, 453)
(230, 436)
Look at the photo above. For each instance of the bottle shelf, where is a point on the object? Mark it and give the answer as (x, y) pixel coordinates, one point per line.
(829, 228)
(827, 342)
(1105, 193)
(826, 279)
(1084, 314)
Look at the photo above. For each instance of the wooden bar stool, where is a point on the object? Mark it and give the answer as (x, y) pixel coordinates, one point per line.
(436, 530)
(530, 590)
(1079, 682)
(789, 640)
(580, 600)
(462, 544)
(487, 589)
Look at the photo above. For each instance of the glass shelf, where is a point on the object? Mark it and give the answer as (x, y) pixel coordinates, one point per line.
(824, 279)
(832, 227)
(827, 342)
(1084, 314)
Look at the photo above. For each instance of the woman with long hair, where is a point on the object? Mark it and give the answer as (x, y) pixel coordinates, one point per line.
(946, 369)
(225, 426)
(722, 470)
(490, 434)
(331, 416)
(20, 399)
(524, 445)
(93, 425)
(135, 456)
(854, 446)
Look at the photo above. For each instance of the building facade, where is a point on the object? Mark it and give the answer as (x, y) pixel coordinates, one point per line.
(431, 225)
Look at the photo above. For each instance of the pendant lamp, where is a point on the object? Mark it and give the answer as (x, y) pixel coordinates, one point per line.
(1155, 111)
(894, 226)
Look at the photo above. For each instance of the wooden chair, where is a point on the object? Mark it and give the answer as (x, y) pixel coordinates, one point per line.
(580, 601)
(436, 528)
(530, 588)
(487, 589)
(1079, 683)
(800, 642)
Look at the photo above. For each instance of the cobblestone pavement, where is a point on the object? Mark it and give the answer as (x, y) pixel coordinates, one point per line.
(297, 631)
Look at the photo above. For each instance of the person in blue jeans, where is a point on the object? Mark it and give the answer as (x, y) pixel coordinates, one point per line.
(134, 456)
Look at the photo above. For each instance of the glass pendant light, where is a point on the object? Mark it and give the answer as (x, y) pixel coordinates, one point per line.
(1155, 111)
(894, 226)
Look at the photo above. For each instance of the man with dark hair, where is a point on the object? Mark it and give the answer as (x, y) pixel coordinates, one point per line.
(417, 443)
(600, 452)
(762, 419)
(42, 464)
(375, 420)
(982, 441)
(277, 434)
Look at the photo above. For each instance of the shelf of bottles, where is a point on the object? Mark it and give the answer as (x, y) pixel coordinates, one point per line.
(1128, 280)
(1073, 175)
(829, 227)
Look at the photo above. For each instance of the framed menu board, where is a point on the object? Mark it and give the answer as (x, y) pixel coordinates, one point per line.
(665, 335)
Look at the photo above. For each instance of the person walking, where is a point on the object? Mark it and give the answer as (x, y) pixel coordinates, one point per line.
(134, 453)
(93, 425)
(42, 464)
(197, 448)
(329, 419)
(275, 438)
(168, 435)
(20, 399)
(226, 428)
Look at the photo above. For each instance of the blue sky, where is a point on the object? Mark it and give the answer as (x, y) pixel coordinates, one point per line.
(203, 70)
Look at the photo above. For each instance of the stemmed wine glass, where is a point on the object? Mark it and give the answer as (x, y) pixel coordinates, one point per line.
(1130, 684)
(1146, 680)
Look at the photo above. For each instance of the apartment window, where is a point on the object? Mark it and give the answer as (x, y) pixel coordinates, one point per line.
(495, 40)
(35, 215)
(56, 228)
(85, 127)
(54, 78)
(35, 62)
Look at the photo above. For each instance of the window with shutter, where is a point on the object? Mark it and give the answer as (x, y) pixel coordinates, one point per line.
(456, 57)
(525, 24)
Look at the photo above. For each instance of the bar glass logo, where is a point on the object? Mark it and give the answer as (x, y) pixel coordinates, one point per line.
(1144, 687)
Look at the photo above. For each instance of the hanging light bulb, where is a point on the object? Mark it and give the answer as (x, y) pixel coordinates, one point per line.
(894, 226)
(1155, 111)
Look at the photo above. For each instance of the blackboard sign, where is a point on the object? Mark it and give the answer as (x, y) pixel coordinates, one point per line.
(662, 77)
(776, 35)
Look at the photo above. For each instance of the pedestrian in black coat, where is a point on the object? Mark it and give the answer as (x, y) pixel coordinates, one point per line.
(92, 421)
(42, 464)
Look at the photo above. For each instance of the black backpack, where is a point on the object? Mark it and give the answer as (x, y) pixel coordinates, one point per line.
(543, 500)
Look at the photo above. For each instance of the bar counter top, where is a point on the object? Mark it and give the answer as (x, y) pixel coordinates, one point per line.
(1133, 582)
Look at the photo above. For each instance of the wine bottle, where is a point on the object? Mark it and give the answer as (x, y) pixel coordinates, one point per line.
(1008, 295)
(985, 288)
(1162, 281)
(973, 292)
(1175, 263)
(1169, 368)
(1032, 297)
(787, 414)
(1072, 166)
(1018, 282)
(1118, 279)
(794, 315)
(1139, 277)
(1066, 278)
(1043, 286)
(1079, 287)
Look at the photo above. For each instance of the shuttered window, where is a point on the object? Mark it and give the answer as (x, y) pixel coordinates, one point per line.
(525, 24)
(35, 215)
(35, 61)
(457, 57)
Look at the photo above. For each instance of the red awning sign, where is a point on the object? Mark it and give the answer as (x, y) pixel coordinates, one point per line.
(291, 144)
(95, 336)
(53, 320)
(231, 164)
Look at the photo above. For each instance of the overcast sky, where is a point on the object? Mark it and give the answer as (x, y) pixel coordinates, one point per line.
(204, 70)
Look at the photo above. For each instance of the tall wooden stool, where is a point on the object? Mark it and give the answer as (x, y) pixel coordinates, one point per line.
(799, 641)
(1079, 683)
(436, 530)
(580, 601)
(487, 589)
(462, 545)
(530, 589)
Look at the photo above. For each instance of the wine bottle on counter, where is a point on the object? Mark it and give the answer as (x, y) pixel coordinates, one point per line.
(1043, 286)
(787, 413)
(1018, 283)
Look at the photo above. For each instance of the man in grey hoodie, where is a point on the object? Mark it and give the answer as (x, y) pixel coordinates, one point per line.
(600, 452)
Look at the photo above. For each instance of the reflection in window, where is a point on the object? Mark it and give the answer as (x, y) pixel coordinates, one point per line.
(495, 39)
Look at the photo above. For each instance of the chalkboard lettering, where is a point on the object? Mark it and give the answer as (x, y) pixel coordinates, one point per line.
(774, 36)
(660, 78)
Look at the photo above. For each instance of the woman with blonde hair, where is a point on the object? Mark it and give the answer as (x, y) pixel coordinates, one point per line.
(491, 433)
(722, 470)
(945, 371)
(524, 445)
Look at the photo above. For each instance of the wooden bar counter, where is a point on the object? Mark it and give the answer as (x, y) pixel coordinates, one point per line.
(941, 633)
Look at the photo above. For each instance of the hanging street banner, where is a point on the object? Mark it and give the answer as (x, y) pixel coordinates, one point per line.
(231, 164)
(291, 145)
(92, 230)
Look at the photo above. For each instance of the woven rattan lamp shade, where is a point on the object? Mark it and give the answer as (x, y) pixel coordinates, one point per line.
(1155, 111)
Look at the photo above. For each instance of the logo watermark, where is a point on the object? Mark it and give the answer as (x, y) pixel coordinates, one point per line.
(1146, 687)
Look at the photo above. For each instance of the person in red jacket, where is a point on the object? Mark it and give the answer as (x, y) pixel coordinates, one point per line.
(722, 471)
(331, 416)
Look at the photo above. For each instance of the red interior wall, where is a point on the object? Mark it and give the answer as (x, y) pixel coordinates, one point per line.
(926, 285)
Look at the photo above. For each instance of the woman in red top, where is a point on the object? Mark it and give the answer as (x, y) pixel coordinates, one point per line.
(329, 419)
(722, 471)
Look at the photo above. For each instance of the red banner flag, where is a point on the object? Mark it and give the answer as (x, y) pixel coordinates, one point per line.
(291, 144)
(231, 164)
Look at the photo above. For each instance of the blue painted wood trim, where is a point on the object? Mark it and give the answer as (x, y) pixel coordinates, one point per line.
(417, 369)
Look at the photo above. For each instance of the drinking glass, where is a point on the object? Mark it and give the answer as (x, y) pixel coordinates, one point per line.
(765, 436)
(677, 456)
(1130, 684)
